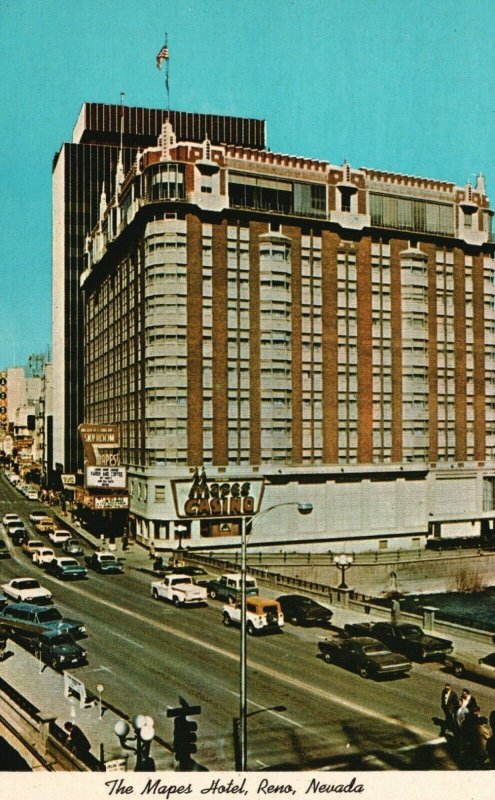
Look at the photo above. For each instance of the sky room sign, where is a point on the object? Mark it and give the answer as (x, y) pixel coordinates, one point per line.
(217, 497)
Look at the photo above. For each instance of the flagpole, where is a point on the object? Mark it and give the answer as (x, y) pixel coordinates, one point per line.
(167, 84)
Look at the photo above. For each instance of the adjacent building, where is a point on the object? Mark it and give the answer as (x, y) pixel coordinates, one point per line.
(327, 332)
(105, 141)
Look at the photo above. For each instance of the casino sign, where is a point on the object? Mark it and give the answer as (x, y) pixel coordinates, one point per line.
(215, 498)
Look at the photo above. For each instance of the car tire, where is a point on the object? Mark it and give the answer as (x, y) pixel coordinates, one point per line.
(458, 669)
(294, 620)
(327, 658)
(54, 663)
(250, 629)
(19, 599)
(226, 620)
(363, 672)
(176, 602)
(154, 594)
(212, 593)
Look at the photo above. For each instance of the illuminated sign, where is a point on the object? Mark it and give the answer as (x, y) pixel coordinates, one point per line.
(106, 477)
(101, 444)
(110, 502)
(212, 497)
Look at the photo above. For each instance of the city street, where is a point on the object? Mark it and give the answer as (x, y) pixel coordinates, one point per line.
(147, 653)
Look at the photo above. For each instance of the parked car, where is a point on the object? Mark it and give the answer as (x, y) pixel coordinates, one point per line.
(262, 615)
(36, 515)
(27, 590)
(228, 587)
(405, 638)
(31, 546)
(32, 619)
(59, 536)
(10, 518)
(104, 562)
(72, 547)
(3, 600)
(44, 525)
(66, 568)
(59, 650)
(366, 656)
(43, 556)
(483, 669)
(32, 494)
(14, 527)
(19, 535)
(301, 610)
(4, 550)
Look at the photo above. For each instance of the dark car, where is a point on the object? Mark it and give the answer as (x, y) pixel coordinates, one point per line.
(405, 638)
(25, 620)
(366, 656)
(72, 547)
(4, 550)
(301, 610)
(17, 532)
(66, 568)
(58, 649)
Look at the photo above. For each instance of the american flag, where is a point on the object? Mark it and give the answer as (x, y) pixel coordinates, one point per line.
(162, 56)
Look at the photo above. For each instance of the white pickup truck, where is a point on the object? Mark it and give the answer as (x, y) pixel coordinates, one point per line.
(179, 590)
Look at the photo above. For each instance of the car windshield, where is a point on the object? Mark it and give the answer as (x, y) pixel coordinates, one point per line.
(376, 650)
(250, 583)
(411, 631)
(63, 638)
(68, 562)
(49, 615)
(107, 558)
(179, 580)
(27, 584)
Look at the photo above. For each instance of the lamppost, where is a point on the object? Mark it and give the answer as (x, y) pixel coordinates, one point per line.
(144, 733)
(343, 562)
(100, 689)
(303, 508)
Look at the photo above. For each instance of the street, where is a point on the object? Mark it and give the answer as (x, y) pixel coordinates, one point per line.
(303, 713)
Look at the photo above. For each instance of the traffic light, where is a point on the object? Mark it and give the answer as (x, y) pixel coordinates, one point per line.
(185, 739)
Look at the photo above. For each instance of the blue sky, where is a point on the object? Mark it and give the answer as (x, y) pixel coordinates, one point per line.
(403, 85)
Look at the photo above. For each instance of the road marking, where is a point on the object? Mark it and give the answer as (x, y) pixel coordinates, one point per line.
(261, 763)
(126, 638)
(430, 743)
(100, 669)
(295, 683)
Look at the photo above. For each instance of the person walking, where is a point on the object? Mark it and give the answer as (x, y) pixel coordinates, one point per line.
(475, 735)
(449, 701)
(77, 741)
(466, 704)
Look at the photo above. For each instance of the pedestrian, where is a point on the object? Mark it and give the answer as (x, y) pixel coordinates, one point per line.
(125, 541)
(158, 564)
(152, 550)
(77, 741)
(395, 612)
(475, 734)
(449, 702)
(3, 642)
(490, 744)
(466, 704)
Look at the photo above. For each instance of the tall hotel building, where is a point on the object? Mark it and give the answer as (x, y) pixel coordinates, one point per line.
(328, 329)
(80, 169)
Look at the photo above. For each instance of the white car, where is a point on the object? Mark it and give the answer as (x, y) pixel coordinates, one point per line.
(10, 518)
(27, 590)
(32, 494)
(43, 556)
(59, 536)
(36, 515)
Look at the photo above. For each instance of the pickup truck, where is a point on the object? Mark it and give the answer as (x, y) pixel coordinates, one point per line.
(406, 638)
(179, 590)
(228, 587)
(104, 562)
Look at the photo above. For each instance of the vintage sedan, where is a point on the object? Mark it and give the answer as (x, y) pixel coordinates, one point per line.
(4, 550)
(72, 547)
(59, 536)
(481, 669)
(31, 546)
(10, 518)
(301, 610)
(27, 590)
(405, 638)
(366, 656)
(66, 568)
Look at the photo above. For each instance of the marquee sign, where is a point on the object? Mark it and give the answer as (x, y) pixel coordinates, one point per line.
(106, 477)
(217, 497)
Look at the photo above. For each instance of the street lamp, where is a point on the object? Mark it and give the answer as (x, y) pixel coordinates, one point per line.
(100, 689)
(303, 508)
(144, 733)
(343, 562)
